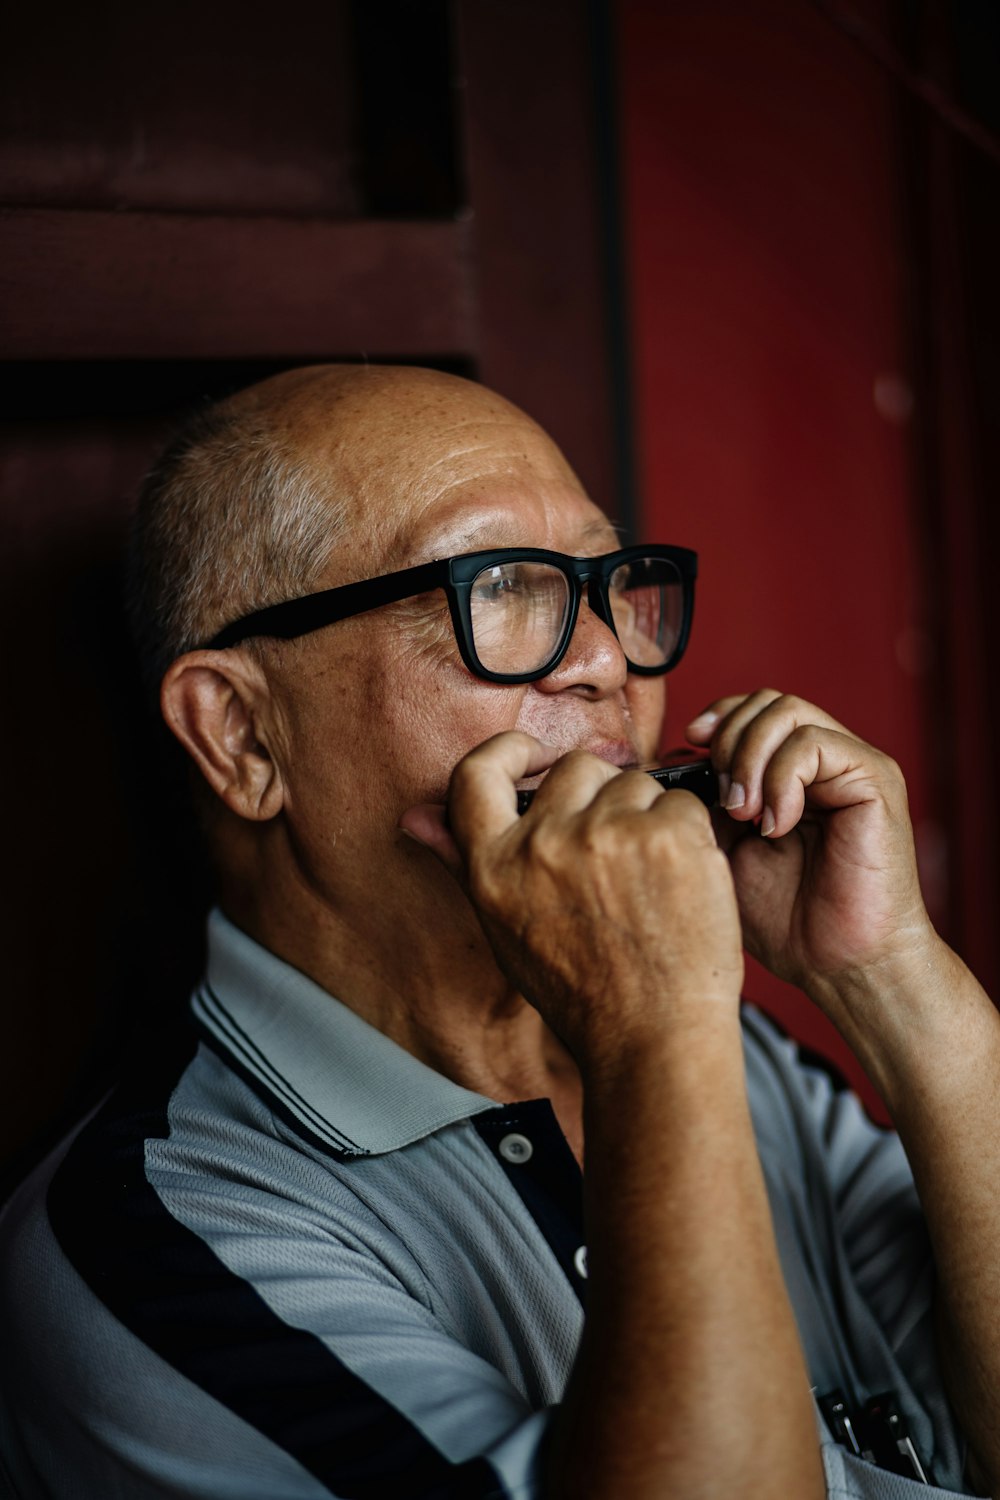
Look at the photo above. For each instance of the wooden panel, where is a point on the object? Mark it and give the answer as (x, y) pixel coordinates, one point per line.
(235, 106)
(955, 214)
(91, 285)
(530, 164)
(85, 837)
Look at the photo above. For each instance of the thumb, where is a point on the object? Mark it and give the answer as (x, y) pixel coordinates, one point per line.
(427, 824)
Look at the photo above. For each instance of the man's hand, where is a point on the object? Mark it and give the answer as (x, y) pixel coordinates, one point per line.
(611, 907)
(830, 899)
(608, 904)
(828, 887)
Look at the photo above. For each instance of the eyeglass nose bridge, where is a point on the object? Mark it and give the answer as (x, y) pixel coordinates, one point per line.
(596, 581)
(592, 581)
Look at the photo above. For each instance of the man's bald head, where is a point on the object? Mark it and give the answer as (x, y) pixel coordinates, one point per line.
(249, 502)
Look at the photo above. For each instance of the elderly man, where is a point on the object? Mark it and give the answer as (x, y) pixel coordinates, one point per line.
(334, 1237)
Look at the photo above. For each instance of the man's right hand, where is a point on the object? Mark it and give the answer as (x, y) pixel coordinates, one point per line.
(608, 904)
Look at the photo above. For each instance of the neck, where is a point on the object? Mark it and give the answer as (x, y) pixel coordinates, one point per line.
(415, 964)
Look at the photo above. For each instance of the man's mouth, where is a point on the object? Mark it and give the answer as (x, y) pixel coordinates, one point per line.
(618, 753)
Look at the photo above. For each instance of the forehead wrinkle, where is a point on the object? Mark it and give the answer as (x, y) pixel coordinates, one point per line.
(458, 451)
(404, 477)
(592, 530)
(435, 528)
(497, 527)
(508, 435)
(414, 477)
(519, 469)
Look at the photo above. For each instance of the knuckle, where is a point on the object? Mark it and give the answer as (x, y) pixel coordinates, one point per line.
(544, 848)
(787, 705)
(892, 770)
(602, 840)
(685, 808)
(668, 834)
(480, 876)
(724, 744)
(465, 772)
(764, 699)
(682, 819)
(633, 782)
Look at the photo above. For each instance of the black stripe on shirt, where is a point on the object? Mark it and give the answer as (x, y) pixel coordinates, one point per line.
(171, 1290)
(254, 1062)
(271, 1101)
(549, 1184)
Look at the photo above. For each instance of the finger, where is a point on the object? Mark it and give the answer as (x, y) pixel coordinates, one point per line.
(683, 809)
(616, 792)
(748, 737)
(427, 824)
(701, 728)
(573, 783)
(482, 796)
(825, 768)
(710, 725)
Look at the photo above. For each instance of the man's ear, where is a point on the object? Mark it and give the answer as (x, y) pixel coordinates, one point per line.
(215, 702)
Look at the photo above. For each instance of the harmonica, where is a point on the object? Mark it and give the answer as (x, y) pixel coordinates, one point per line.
(690, 776)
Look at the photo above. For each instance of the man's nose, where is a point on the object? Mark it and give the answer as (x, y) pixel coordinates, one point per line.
(594, 664)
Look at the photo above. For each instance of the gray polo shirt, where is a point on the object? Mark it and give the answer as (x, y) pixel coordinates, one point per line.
(286, 1259)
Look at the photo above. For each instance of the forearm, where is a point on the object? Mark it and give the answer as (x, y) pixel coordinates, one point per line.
(935, 1055)
(689, 1335)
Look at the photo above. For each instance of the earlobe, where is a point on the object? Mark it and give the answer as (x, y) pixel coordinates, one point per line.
(215, 707)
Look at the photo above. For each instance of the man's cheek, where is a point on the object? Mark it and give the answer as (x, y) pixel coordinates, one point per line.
(646, 698)
(442, 728)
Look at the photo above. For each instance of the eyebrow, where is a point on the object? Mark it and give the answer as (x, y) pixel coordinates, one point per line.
(472, 539)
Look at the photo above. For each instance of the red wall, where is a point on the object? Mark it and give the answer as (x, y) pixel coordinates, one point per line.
(772, 388)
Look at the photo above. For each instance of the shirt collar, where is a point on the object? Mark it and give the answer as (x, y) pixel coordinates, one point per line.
(341, 1078)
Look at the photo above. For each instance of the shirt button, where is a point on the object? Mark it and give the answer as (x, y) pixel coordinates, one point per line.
(580, 1262)
(516, 1149)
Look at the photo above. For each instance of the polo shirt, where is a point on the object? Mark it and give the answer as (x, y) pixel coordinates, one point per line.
(287, 1259)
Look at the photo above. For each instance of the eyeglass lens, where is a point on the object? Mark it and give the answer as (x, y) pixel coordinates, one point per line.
(647, 606)
(519, 612)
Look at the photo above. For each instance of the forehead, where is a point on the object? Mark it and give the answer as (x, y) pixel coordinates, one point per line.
(516, 504)
(462, 476)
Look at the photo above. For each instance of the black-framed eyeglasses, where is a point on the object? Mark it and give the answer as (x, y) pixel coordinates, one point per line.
(514, 608)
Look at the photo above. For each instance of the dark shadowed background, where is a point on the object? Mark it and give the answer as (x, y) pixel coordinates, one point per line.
(739, 256)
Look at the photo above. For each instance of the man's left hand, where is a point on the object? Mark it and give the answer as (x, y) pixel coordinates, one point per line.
(819, 839)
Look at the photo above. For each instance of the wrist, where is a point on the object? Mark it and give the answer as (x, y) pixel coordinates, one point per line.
(914, 1019)
(699, 1054)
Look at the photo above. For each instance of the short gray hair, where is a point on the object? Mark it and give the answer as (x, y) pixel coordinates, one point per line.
(230, 518)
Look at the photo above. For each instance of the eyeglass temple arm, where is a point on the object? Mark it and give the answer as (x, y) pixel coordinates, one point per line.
(295, 617)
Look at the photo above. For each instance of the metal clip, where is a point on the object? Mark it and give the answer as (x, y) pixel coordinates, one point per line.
(876, 1432)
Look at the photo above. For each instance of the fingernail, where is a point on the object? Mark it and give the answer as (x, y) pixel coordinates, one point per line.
(724, 780)
(736, 798)
(704, 721)
(767, 822)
